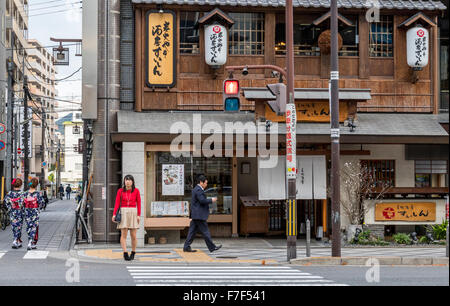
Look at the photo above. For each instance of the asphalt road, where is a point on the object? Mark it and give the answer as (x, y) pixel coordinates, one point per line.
(59, 269)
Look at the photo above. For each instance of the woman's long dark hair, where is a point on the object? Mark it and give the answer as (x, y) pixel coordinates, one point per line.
(130, 178)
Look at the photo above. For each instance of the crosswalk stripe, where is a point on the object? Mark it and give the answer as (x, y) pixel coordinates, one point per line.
(224, 276)
(36, 255)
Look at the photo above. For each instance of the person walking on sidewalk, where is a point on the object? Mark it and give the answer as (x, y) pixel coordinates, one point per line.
(199, 213)
(33, 202)
(128, 200)
(68, 191)
(61, 192)
(14, 203)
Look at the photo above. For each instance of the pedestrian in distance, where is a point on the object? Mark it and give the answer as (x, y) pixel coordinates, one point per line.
(199, 213)
(14, 203)
(68, 191)
(33, 203)
(128, 201)
(61, 192)
(45, 196)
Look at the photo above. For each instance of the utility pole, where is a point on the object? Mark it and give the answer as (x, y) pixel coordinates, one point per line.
(9, 149)
(43, 148)
(335, 136)
(291, 121)
(26, 161)
(58, 167)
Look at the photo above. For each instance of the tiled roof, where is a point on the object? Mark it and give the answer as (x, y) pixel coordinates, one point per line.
(384, 4)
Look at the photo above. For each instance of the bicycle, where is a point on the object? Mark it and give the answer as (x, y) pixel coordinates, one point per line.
(4, 217)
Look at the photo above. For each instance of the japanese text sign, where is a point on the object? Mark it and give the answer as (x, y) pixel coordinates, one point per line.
(291, 141)
(410, 211)
(161, 68)
(417, 47)
(216, 39)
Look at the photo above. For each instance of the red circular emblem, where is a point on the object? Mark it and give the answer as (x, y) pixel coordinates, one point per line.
(421, 33)
(217, 29)
(389, 213)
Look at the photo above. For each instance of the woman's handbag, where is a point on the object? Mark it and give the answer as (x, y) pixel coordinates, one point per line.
(119, 214)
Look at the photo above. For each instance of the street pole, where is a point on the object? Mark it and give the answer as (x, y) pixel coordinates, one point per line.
(26, 161)
(291, 179)
(43, 148)
(9, 140)
(335, 146)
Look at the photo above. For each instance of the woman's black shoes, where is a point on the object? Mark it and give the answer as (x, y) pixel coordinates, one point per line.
(126, 256)
(132, 255)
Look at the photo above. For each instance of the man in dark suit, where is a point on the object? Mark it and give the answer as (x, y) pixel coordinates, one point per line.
(199, 213)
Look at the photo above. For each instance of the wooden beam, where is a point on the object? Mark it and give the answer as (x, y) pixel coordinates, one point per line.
(416, 18)
(364, 68)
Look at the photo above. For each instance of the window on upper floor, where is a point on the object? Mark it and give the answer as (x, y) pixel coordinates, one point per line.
(306, 35)
(383, 171)
(381, 37)
(431, 173)
(189, 35)
(246, 36)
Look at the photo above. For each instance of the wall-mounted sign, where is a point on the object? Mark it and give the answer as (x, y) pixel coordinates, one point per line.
(2, 128)
(417, 47)
(174, 208)
(172, 180)
(161, 48)
(406, 211)
(311, 112)
(216, 45)
(291, 141)
(2, 145)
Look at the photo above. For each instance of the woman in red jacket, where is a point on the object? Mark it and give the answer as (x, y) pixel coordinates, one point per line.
(129, 200)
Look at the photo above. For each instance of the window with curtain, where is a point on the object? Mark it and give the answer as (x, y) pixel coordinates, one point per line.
(381, 37)
(189, 36)
(246, 36)
(431, 173)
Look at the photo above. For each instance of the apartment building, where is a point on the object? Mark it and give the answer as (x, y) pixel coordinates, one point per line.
(42, 86)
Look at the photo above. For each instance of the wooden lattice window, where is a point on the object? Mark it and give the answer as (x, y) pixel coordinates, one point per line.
(246, 36)
(383, 171)
(381, 37)
(189, 34)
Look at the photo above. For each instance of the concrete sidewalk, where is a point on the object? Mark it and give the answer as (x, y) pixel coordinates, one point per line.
(56, 225)
(269, 251)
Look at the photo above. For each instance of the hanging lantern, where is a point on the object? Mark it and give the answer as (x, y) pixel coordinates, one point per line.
(216, 46)
(417, 47)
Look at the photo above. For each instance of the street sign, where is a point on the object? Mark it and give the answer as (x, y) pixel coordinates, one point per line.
(19, 151)
(2, 128)
(291, 141)
(2, 145)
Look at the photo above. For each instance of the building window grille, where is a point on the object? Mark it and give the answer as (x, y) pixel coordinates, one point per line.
(380, 37)
(246, 36)
(189, 35)
(382, 171)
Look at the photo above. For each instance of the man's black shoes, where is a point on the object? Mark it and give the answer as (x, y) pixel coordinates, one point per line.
(216, 248)
(189, 250)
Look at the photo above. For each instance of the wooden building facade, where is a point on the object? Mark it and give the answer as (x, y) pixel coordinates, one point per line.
(393, 107)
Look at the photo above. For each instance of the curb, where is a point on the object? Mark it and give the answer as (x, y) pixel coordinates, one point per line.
(364, 261)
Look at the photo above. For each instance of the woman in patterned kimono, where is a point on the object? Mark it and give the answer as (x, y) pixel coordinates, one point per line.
(14, 203)
(33, 202)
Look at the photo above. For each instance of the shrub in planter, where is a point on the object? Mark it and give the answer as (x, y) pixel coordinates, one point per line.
(402, 238)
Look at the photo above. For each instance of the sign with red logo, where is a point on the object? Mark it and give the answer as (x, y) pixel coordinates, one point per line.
(216, 45)
(406, 211)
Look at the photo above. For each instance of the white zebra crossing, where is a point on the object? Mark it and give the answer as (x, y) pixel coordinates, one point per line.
(33, 254)
(224, 276)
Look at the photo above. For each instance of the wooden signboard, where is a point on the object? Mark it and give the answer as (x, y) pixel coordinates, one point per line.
(310, 112)
(406, 211)
(161, 48)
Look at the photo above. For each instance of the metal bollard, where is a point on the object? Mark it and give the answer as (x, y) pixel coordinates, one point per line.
(308, 238)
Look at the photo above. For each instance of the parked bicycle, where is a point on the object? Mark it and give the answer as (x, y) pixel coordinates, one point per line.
(4, 216)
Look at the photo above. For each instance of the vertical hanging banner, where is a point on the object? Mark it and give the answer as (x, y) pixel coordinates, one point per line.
(291, 141)
(161, 49)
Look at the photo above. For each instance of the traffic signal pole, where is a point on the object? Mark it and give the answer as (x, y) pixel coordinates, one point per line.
(291, 179)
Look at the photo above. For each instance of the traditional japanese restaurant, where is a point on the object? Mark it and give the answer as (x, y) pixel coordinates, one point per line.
(389, 112)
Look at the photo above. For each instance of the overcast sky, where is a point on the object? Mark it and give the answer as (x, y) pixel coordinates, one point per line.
(59, 19)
